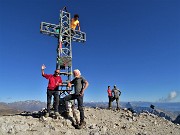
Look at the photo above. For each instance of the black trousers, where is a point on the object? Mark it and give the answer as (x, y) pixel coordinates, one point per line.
(110, 101)
(80, 103)
(51, 93)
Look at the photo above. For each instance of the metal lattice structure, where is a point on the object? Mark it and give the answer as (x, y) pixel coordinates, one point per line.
(65, 36)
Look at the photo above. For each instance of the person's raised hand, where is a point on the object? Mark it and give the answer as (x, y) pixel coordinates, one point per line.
(43, 67)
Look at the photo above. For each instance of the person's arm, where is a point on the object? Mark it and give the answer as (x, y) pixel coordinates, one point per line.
(42, 69)
(112, 92)
(119, 92)
(79, 27)
(85, 87)
(60, 82)
(109, 92)
(70, 83)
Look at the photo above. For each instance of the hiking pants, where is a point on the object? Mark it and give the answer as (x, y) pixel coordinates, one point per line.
(56, 100)
(80, 103)
(117, 101)
(110, 101)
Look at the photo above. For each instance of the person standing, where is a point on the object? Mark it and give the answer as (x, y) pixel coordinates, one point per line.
(80, 84)
(52, 89)
(116, 93)
(110, 97)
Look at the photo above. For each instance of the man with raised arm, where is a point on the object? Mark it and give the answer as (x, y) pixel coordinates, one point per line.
(52, 89)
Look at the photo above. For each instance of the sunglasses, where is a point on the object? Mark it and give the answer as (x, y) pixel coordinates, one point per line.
(57, 72)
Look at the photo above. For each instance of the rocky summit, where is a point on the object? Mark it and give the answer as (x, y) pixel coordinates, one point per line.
(98, 122)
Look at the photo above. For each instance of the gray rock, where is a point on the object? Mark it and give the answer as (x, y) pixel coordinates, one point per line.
(103, 130)
(23, 127)
(92, 126)
(68, 132)
(94, 132)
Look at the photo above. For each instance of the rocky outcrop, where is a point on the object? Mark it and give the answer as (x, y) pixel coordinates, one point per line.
(98, 122)
(177, 120)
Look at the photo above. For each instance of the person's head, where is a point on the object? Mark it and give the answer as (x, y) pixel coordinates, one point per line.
(114, 86)
(57, 72)
(108, 87)
(76, 16)
(76, 73)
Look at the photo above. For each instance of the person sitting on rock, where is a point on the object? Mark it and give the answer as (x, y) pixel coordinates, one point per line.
(75, 22)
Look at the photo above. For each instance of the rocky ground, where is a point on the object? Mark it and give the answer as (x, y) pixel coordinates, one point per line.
(98, 122)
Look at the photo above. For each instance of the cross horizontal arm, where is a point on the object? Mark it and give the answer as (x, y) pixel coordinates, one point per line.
(49, 29)
(78, 36)
(54, 30)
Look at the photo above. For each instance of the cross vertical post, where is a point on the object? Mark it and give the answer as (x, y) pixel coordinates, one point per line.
(65, 36)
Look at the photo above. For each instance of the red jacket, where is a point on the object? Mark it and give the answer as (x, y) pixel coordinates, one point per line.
(109, 93)
(53, 81)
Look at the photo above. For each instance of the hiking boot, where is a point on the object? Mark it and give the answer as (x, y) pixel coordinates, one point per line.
(81, 124)
(109, 108)
(74, 124)
(46, 115)
(57, 114)
(67, 115)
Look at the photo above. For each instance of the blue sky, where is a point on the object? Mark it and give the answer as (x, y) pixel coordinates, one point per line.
(134, 44)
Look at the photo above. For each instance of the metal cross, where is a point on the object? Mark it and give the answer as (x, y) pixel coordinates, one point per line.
(65, 36)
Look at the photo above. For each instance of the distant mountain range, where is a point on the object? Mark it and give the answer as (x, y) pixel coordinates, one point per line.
(4, 109)
(167, 106)
(28, 105)
(171, 110)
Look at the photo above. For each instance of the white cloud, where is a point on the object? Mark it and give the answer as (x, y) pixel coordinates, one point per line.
(171, 96)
